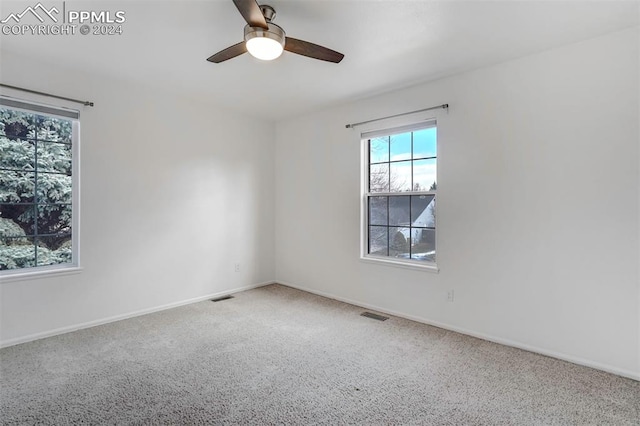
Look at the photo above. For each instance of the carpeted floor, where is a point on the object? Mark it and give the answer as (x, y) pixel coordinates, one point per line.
(276, 355)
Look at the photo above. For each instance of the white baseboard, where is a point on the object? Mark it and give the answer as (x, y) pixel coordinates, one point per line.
(89, 324)
(506, 342)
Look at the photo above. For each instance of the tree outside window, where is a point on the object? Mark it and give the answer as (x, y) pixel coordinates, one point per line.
(36, 189)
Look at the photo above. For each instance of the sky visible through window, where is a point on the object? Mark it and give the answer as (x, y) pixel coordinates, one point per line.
(392, 156)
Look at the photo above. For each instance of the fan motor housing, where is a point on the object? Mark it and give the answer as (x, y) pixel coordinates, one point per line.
(274, 32)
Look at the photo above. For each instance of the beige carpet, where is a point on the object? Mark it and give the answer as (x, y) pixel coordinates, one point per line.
(275, 355)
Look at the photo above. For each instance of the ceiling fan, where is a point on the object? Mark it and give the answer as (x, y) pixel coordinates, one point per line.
(266, 40)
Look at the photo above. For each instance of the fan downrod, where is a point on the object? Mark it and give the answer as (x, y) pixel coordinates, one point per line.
(268, 12)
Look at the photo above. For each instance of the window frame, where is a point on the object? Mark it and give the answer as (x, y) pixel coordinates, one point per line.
(365, 137)
(73, 115)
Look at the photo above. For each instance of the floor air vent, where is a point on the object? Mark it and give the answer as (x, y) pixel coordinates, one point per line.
(221, 298)
(374, 316)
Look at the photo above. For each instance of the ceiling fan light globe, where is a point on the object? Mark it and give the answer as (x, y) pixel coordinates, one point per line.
(266, 49)
(264, 44)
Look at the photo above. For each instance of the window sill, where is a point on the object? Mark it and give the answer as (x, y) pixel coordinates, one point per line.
(37, 274)
(406, 264)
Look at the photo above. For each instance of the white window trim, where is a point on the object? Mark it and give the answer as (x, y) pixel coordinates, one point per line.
(39, 272)
(364, 194)
(12, 275)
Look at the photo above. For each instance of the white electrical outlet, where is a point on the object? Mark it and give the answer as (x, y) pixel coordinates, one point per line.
(450, 296)
(237, 267)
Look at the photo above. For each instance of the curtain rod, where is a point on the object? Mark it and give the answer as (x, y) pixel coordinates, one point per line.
(352, 125)
(85, 103)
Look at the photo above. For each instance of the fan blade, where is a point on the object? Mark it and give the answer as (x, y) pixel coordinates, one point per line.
(311, 50)
(251, 13)
(228, 53)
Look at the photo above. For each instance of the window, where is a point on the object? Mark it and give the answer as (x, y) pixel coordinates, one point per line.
(38, 187)
(400, 194)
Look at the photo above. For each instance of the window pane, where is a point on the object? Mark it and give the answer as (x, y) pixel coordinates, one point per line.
(17, 220)
(54, 188)
(399, 211)
(401, 147)
(54, 129)
(16, 187)
(54, 218)
(424, 175)
(399, 240)
(379, 240)
(403, 226)
(379, 178)
(378, 214)
(35, 167)
(17, 253)
(400, 176)
(424, 143)
(423, 244)
(379, 150)
(17, 154)
(54, 157)
(54, 250)
(423, 211)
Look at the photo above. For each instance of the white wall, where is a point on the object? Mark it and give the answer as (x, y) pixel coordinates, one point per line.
(174, 192)
(537, 205)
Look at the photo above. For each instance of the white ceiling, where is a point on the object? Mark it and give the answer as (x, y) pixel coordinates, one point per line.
(387, 45)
